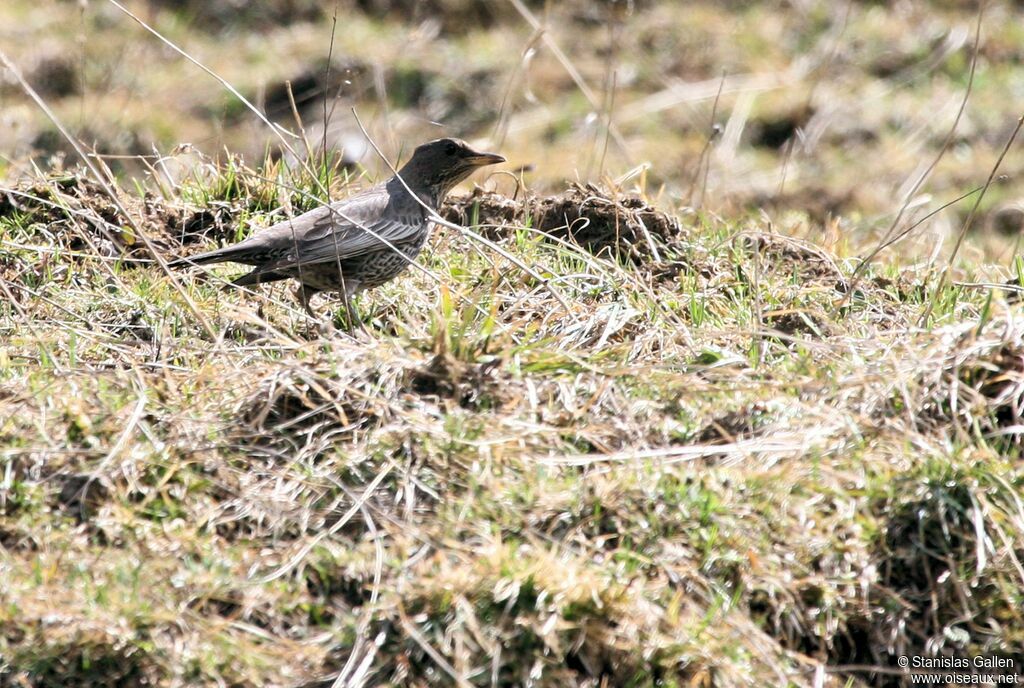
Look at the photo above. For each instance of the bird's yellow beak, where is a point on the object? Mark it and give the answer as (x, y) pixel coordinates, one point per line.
(482, 159)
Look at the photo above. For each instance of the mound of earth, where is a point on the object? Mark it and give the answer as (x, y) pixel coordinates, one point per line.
(605, 224)
(78, 214)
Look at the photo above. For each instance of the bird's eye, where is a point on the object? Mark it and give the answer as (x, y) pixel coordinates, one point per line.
(451, 148)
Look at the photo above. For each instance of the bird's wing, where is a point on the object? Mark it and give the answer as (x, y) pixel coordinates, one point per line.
(342, 230)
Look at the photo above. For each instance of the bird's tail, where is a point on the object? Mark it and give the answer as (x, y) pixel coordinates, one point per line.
(221, 255)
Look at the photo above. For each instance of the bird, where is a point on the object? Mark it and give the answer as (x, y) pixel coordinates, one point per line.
(358, 243)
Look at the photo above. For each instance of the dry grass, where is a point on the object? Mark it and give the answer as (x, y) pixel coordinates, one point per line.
(688, 447)
(712, 467)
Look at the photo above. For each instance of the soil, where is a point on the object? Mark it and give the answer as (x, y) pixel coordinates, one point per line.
(605, 224)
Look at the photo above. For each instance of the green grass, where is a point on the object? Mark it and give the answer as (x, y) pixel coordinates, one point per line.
(725, 466)
(730, 471)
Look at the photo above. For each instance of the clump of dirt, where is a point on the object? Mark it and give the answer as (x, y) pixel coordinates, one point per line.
(330, 580)
(460, 100)
(464, 16)
(901, 288)
(453, 16)
(978, 389)
(790, 617)
(349, 77)
(82, 494)
(45, 202)
(225, 603)
(188, 225)
(490, 210)
(74, 213)
(799, 323)
(1008, 219)
(774, 131)
(77, 214)
(605, 224)
(56, 75)
(624, 227)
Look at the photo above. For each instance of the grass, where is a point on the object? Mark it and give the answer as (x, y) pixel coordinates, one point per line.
(709, 467)
(696, 444)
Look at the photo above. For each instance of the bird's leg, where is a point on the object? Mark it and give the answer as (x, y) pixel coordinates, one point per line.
(305, 296)
(351, 315)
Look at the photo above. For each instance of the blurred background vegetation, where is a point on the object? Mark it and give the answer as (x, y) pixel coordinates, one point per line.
(826, 114)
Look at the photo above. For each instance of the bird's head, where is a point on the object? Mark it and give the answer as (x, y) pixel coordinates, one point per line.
(437, 166)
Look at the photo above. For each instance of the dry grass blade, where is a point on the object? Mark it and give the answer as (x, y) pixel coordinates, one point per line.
(303, 552)
(923, 177)
(926, 315)
(574, 73)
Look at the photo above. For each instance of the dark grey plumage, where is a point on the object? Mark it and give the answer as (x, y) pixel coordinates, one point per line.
(361, 242)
